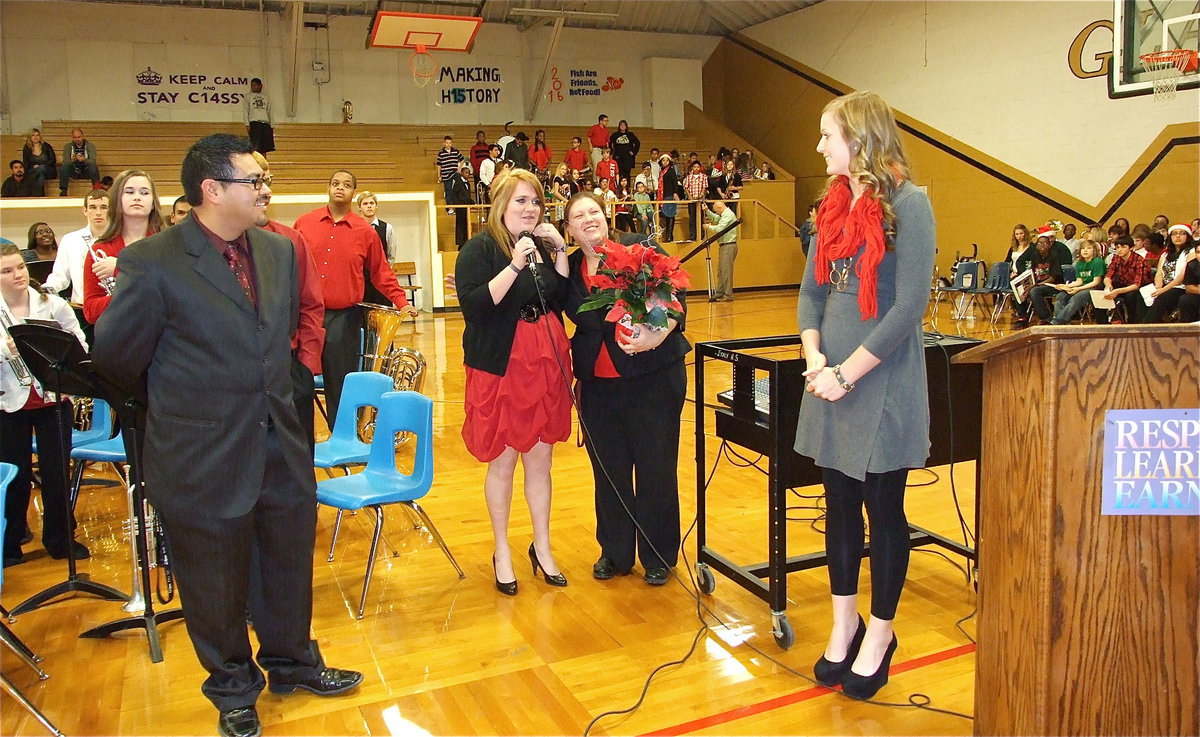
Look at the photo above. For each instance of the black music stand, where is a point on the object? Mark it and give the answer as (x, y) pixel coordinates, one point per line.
(55, 356)
(705, 245)
(57, 360)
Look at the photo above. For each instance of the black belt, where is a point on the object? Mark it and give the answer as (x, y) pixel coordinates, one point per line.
(532, 311)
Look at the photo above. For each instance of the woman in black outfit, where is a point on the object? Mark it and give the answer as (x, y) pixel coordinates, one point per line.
(625, 146)
(631, 390)
(518, 401)
(40, 162)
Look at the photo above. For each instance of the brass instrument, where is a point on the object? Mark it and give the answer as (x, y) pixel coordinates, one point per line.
(155, 547)
(15, 362)
(109, 283)
(383, 353)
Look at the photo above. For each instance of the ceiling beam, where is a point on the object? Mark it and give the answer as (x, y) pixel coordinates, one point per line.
(536, 98)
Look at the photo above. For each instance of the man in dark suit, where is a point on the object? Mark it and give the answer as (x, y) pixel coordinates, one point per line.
(202, 323)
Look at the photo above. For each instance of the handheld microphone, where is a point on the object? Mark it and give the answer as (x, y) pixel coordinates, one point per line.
(530, 263)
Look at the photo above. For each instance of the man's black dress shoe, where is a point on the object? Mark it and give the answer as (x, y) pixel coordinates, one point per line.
(657, 576)
(605, 569)
(329, 682)
(241, 722)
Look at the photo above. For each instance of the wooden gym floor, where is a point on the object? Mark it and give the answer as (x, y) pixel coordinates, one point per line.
(447, 657)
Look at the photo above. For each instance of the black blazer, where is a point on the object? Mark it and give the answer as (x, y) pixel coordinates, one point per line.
(488, 336)
(216, 370)
(593, 331)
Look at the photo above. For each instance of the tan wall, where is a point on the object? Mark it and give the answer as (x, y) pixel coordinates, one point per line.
(779, 111)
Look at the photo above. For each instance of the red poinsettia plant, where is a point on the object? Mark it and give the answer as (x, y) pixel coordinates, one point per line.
(637, 282)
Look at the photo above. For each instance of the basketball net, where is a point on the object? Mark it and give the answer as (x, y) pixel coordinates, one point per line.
(1165, 68)
(422, 65)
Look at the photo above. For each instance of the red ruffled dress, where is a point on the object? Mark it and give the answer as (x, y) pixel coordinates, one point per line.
(530, 403)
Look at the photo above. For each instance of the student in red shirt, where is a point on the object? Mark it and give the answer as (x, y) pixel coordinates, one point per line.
(577, 158)
(598, 137)
(342, 244)
(133, 215)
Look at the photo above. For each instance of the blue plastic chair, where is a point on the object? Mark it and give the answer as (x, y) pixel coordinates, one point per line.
(344, 448)
(101, 427)
(318, 394)
(111, 451)
(381, 482)
(7, 473)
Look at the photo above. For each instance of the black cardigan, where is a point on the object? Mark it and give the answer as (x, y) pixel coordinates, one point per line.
(488, 336)
(592, 330)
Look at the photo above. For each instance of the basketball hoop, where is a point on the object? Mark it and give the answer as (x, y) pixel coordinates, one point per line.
(1165, 69)
(422, 65)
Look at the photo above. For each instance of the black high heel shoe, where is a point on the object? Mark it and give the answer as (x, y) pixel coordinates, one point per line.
(829, 673)
(864, 687)
(508, 588)
(556, 580)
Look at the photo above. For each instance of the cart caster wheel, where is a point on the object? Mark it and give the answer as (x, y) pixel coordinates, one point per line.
(704, 579)
(784, 636)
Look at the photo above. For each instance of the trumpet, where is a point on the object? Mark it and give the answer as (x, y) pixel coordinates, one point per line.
(15, 362)
(146, 522)
(109, 283)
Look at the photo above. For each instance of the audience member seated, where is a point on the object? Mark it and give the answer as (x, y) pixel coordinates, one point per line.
(1069, 240)
(19, 184)
(42, 245)
(1168, 278)
(1127, 274)
(179, 210)
(79, 162)
(1141, 240)
(1046, 258)
(1160, 224)
(1189, 301)
(1073, 297)
(765, 171)
(40, 162)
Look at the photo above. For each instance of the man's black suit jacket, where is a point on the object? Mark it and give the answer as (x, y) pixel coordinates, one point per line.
(215, 370)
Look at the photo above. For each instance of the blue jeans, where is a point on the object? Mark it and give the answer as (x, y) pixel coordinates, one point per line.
(77, 170)
(1038, 296)
(1067, 306)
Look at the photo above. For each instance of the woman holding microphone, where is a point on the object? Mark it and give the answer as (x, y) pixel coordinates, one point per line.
(632, 386)
(511, 279)
(864, 418)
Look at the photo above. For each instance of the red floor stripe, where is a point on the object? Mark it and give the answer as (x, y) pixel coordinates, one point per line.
(794, 698)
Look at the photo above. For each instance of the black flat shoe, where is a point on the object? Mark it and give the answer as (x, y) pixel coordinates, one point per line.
(508, 588)
(606, 568)
(241, 722)
(13, 560)
(864, 687)
(657, 576)
(556, 580)
(829, 673)
(329, 682)
(80, 550)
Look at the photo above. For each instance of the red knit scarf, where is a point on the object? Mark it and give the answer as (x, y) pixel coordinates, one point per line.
(841, 232)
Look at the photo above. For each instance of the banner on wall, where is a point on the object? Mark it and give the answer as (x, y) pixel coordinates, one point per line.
(465, 85)
(581, 84)
(206, 88)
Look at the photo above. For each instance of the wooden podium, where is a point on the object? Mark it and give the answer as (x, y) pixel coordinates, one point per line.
(1087, 623)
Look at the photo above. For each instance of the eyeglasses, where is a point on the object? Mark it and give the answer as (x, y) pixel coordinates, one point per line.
(256, 182)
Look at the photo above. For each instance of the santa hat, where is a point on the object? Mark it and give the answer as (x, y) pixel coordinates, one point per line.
(1179, 226)
(1046, 231)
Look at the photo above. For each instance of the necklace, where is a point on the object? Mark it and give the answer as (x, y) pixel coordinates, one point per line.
(840, 277)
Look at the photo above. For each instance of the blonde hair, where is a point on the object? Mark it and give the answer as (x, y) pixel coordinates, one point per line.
(29, 137)
(365, 195)
(877, 159)
(116, 215)
(12, 249)
(503, 188)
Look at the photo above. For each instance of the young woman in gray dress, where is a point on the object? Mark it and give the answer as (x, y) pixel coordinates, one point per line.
(864, 418)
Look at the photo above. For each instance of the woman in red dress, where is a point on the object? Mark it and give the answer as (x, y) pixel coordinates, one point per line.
(515, 349)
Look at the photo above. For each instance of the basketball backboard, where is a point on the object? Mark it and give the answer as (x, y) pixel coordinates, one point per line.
(1145, 26)
(433, 32)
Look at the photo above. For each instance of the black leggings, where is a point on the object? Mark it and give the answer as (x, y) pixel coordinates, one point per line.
(883, 494)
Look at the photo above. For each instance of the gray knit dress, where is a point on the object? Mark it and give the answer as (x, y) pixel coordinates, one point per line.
(883, 425)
